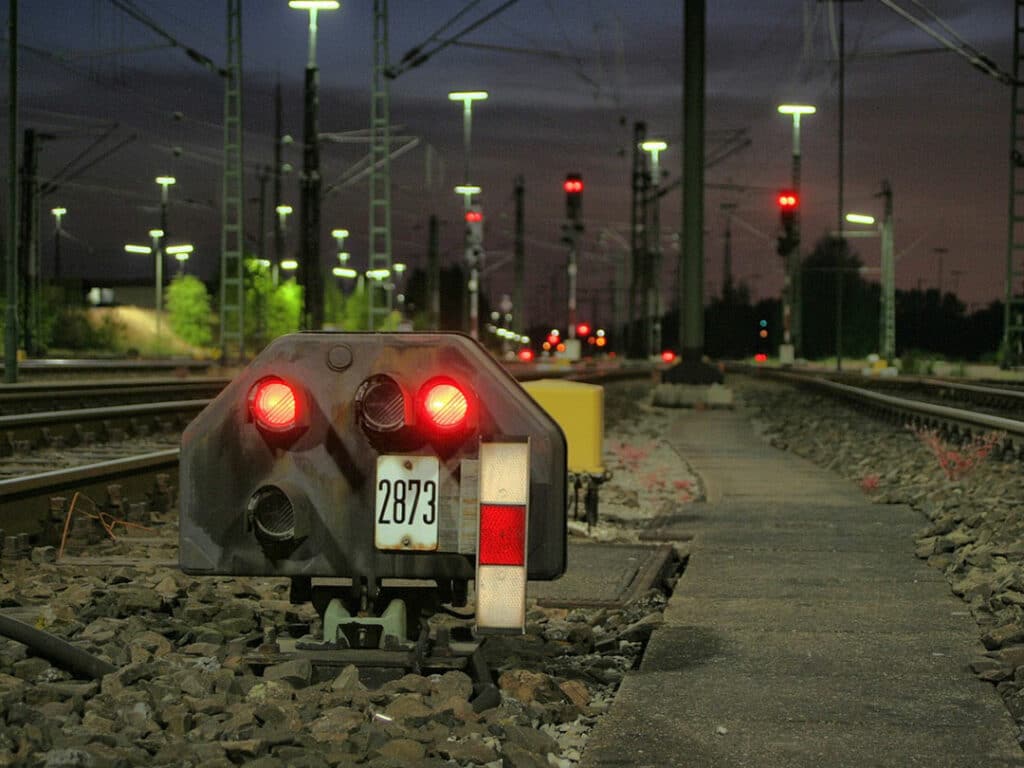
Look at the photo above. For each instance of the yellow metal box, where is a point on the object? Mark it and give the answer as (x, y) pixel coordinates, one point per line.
(579, 410)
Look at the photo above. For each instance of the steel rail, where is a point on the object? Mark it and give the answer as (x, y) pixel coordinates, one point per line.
(970, 420)
(21, 398)
(33, 430)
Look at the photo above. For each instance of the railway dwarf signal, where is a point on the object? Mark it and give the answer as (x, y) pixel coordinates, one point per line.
(368, 457)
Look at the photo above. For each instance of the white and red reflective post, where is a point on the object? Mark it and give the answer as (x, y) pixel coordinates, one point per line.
(504, 501)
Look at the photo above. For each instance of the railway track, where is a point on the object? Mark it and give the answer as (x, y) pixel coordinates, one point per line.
(36, 502)
(991, 408)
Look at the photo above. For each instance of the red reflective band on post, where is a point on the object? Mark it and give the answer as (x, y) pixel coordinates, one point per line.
(273, 404)
(502, 534)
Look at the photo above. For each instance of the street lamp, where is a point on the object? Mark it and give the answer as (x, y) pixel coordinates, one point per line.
(155, 235)
(283, 212)
(654, 148)
(313, 299)
(887, 324)
(58, 214)
(792, 315)
(467, 98)
(467, 191)
(181, 253)
(339, 236)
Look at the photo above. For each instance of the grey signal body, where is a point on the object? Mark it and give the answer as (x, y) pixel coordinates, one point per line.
(305, 502)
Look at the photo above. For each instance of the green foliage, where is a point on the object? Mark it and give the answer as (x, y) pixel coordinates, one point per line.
(188, 307)
(860, 310)
(269, 311)
(73, 331)
(914, 362)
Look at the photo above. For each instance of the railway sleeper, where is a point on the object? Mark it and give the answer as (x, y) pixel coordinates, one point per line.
(380, 644)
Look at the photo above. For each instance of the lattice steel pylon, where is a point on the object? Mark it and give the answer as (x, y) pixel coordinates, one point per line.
(232, 286)
(1013, 317)
(380, 293)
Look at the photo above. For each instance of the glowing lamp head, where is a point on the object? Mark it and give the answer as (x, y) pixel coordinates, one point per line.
(668, 356)
(582, 329)
(525, 354)
(473, 217)
(445, 405)
(573, 185)
(787, 200)
(760, 357)
(274, 404)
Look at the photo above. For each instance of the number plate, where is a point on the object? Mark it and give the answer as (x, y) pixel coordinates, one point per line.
(407, 496)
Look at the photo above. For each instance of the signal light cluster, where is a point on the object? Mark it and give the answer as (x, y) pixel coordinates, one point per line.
(472, 217)
(573, 185)
(443, 407)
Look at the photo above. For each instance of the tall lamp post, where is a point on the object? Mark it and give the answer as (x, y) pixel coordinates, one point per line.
(654, 148)
(467, 190)
(792, 319)
(283, 211)
(181, 254)
(58, 214)
(312, 269)
(156, 235)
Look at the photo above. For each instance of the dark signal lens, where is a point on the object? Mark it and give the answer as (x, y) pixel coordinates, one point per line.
(274, 404)
(382, 404)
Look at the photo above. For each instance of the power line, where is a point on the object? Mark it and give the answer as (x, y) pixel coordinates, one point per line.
(205, 61)
(969, 52)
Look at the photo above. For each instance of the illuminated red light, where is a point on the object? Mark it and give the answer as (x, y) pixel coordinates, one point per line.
(573, 186)
(787, 200)
(445, 405)
(474, 216)
(526, 354)
(761, 357)
(583, 329)
(668, 355)
(273, 404)
(502, 534)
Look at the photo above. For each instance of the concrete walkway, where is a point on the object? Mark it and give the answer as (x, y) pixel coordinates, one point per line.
(804, 632)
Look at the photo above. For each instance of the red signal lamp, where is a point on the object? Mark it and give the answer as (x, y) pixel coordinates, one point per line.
(760, 357)
(787, 200)
(582, 330)
(274, 404)
(444, 405)
(525, 354)
(473, 217)
(573, 186)
(668, 356)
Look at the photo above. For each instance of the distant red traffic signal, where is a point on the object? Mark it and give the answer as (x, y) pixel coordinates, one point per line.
(573, 185)
(582, 330)
(472, 216)
(787, 200)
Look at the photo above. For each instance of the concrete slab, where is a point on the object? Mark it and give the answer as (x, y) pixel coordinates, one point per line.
(603, 574)
(807, 654)
(803, 633)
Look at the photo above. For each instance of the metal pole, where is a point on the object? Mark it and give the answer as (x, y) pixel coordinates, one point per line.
(839, 209)
(158, 249)
(888, 346)
(278, 221)
(691, 267)
(519, 260)
(467, 132)
(11, 311)
(791, 310)
(654, 295)
(434, 274)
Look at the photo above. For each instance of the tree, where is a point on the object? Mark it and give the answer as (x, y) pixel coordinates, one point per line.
(270, 311)
(188, 306)
(860, 301)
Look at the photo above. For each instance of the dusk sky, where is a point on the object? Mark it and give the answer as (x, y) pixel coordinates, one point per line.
(929, 122)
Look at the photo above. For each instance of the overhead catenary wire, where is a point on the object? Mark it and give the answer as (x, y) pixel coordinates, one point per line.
(967, 51)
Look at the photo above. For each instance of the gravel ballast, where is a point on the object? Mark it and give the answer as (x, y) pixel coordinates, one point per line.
(971, 502)
(182, 694)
